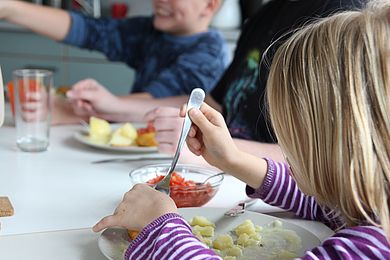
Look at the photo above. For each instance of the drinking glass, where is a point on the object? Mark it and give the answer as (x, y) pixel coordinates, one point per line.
(32, 89)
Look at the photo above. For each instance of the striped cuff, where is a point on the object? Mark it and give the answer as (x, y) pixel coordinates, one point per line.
(77, 32)
(265, 188)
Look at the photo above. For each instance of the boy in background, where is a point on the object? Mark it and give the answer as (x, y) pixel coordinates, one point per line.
(172, 52)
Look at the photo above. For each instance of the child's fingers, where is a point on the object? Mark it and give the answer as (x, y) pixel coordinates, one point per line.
(193, 131)
(161, 112)
(105, 222)
(183, 110)
(194, 145)
(212, 115)
(200, 120)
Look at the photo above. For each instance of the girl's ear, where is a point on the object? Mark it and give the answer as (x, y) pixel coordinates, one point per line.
(1, 99)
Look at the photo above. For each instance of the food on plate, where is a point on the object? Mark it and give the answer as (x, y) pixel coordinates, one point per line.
(132, 234)
(147, 136)
(222, 242)
(61, 91)
(201, 221)
(124, 136)
(249, 241)
(187, 193)
(99, 130)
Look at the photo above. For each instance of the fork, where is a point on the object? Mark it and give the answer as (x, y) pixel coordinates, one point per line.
(240, 207)
(195, 101)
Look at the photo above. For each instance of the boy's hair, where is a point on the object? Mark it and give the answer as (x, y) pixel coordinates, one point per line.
(329, 101)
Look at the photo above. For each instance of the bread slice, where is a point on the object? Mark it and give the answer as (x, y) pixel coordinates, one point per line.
(6, 208)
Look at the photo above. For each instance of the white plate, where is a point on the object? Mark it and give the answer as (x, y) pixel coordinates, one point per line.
(82, 137)
(113, 242)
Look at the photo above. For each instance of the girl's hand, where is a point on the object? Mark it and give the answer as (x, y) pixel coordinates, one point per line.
(210, 137)
(139, 207)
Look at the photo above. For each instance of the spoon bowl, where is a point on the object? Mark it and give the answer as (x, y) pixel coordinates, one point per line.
(209, 178)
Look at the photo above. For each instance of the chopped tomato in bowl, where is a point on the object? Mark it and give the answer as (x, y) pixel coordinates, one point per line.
(187, 188)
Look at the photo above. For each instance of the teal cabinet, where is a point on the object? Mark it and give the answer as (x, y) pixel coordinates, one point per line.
(23, 49)
(114, 76)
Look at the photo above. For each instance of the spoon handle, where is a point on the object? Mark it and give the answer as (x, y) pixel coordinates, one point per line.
(195, 101)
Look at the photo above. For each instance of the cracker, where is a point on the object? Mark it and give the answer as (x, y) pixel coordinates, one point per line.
(6, 208)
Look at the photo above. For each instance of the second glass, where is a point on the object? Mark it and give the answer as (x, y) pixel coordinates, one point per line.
(32, 108)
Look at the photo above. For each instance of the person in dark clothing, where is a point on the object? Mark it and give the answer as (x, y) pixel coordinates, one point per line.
(239, 94)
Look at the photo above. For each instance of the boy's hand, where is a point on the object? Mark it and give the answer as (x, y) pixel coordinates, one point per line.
(89, 98)
(167, 122)
(139, 207)
(210, 137)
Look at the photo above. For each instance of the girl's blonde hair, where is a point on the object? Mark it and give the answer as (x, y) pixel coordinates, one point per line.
(329, 100)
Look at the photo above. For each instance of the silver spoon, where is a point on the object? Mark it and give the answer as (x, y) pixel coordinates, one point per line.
(195, 101)
(209, 178)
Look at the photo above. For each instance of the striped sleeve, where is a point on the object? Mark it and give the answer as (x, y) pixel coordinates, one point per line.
(279, 189)
(361, 242)
(168, 237)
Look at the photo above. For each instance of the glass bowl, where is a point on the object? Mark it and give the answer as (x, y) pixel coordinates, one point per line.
(189, 192)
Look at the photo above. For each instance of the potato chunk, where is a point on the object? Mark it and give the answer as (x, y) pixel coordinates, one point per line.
(222, 242)
(201, 221)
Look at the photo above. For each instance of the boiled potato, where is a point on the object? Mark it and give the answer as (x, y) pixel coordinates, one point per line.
(233, 251)
(201, 221)
(207, 231)
(99, 130)
(124, 136)
(223, 241)
(246, 227)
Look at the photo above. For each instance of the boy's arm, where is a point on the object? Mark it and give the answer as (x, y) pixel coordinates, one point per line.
(51, 22)
(117, 39)
(280, 189)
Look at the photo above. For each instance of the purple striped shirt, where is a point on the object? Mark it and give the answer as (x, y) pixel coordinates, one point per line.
(170, 237)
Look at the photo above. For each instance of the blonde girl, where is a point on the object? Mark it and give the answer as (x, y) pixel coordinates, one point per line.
(329, 103)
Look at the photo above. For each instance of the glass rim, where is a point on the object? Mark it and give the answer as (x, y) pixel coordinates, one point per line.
(204, 171)
(32, 73)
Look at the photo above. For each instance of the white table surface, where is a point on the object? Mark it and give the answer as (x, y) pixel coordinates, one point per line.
(58, 195)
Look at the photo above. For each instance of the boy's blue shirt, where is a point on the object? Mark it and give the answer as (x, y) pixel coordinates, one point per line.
(166, 65)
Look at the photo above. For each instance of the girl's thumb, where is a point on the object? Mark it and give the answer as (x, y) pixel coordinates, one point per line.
(200, 120)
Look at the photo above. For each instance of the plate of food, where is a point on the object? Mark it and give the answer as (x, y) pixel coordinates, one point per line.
(250, 235)
(125, 137)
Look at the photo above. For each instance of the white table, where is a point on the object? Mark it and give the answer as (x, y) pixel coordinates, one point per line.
(58, 195)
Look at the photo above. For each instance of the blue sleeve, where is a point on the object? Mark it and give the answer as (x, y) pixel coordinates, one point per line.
(117, 39)
(201, 67)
